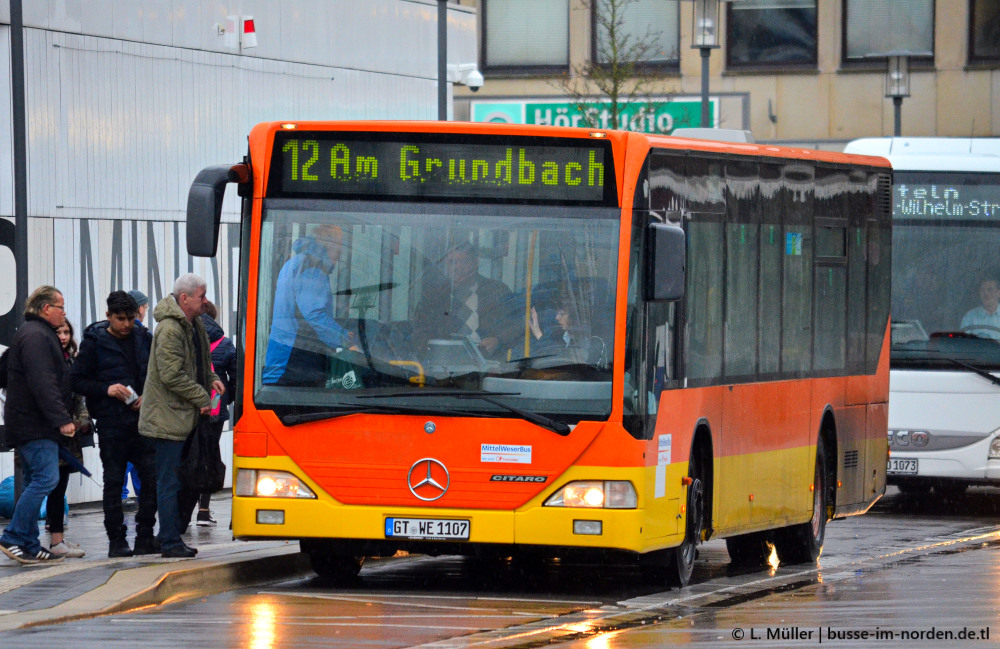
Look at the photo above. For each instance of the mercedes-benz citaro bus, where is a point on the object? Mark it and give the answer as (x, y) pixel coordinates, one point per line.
(944, 412)
(503, 341)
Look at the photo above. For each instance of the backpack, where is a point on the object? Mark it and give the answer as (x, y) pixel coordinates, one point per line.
(201, 468)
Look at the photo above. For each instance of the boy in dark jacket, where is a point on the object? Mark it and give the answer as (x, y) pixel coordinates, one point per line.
(110, 371)
(37, 412)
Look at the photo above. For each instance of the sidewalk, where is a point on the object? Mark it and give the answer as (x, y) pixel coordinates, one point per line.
(32, 595)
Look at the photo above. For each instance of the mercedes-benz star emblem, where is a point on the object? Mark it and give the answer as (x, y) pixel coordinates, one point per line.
(426, 477)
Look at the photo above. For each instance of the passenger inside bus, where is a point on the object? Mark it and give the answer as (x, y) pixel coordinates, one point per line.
(561, 336)
(984, 320)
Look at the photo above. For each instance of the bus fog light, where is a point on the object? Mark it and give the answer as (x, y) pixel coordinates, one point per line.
(595, 494)
(271, 484)
(594, 528)
(995, 449)
(270, 517)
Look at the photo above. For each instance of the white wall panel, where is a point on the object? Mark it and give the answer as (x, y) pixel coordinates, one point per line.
(119, 129)
(6, 140)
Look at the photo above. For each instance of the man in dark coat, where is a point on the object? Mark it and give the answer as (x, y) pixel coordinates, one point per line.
(38, 410)
(464, 302)
(110, 371)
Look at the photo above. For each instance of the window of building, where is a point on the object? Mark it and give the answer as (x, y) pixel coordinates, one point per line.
(771, 33)
(876, 27)
(984, 31)
(646, 31)
(525, 34)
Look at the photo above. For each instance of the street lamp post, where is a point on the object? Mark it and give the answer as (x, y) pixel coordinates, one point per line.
(442, 71)
(705, 37)
(897, 85)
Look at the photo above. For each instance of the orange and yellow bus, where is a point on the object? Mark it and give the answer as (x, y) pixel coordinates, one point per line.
(497, 340)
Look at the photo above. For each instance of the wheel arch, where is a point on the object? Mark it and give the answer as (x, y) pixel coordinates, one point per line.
(828, 438)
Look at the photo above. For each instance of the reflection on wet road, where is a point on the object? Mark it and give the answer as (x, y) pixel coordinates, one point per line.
(923, 568)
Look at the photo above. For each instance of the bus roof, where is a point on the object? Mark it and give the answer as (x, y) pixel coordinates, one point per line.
(662, 141)
(933, 153)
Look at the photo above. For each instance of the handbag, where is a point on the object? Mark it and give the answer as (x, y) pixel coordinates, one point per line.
(201, 468)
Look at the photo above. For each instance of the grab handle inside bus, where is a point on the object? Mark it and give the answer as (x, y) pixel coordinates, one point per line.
(665, 262)
(204, 206)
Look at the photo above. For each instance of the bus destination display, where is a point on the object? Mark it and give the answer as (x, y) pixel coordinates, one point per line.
(326, 163)
(953, 197)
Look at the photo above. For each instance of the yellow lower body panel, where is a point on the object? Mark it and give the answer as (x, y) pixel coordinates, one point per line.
(759, 491)
(656, 523)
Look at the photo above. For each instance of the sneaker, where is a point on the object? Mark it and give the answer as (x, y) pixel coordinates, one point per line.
(16, 552)
(67, 549)
(45, 556)
(205, 518)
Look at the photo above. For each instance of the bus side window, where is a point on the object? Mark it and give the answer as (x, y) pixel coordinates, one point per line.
(796, 196)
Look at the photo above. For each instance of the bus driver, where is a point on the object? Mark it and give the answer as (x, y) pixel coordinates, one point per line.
(984, 321)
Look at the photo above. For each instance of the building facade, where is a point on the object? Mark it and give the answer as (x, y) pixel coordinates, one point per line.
(801, 72)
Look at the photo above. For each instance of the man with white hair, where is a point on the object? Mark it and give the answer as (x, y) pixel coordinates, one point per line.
(178, 385)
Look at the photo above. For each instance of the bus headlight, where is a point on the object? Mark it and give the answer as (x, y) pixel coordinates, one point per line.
(594, 494)
(995, 449)
(270, 484)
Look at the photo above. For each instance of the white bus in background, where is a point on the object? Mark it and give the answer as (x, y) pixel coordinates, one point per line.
(944, 385)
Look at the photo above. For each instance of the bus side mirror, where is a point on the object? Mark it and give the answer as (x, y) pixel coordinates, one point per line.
(204, 206)
(666, 255)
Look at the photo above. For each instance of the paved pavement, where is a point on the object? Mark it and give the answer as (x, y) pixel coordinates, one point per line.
(32, 595)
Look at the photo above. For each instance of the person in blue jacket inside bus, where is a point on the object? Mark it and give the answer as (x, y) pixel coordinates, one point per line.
(304, 333)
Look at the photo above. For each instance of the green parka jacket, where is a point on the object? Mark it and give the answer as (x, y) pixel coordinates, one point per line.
(173, 398)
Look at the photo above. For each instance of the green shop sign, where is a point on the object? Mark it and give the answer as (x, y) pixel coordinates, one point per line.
(654, 117)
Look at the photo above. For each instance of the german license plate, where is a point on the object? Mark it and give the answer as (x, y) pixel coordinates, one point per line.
(447, 529)
(898, 466)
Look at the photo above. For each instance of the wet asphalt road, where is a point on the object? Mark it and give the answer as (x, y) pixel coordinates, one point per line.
(907, 574)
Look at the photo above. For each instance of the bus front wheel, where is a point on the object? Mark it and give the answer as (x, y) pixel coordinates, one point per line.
(673, 567)
(681, 560)
(333, 567)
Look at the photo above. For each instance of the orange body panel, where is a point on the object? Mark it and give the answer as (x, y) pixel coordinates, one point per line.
(364, 459)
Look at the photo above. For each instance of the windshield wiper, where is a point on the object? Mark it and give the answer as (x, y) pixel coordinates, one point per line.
(321, 415)
(972, 368)
(555, 426)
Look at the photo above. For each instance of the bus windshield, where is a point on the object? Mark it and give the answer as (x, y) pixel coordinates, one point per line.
(435, 308)
(946, 270)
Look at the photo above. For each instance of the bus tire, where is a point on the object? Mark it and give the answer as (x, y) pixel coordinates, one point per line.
(748, 550)
(803, 543)
(332, 567)
(951, 490)
(914, 487)
(681, 559)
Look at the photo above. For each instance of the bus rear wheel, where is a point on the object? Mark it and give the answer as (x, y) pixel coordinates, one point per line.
(748, 550)
(804, 543)
(333, 567)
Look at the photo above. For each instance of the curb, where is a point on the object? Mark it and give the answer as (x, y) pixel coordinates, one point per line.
(167, 583)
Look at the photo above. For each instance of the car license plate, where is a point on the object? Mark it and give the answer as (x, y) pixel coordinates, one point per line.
(898, 466)
(447, 529)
